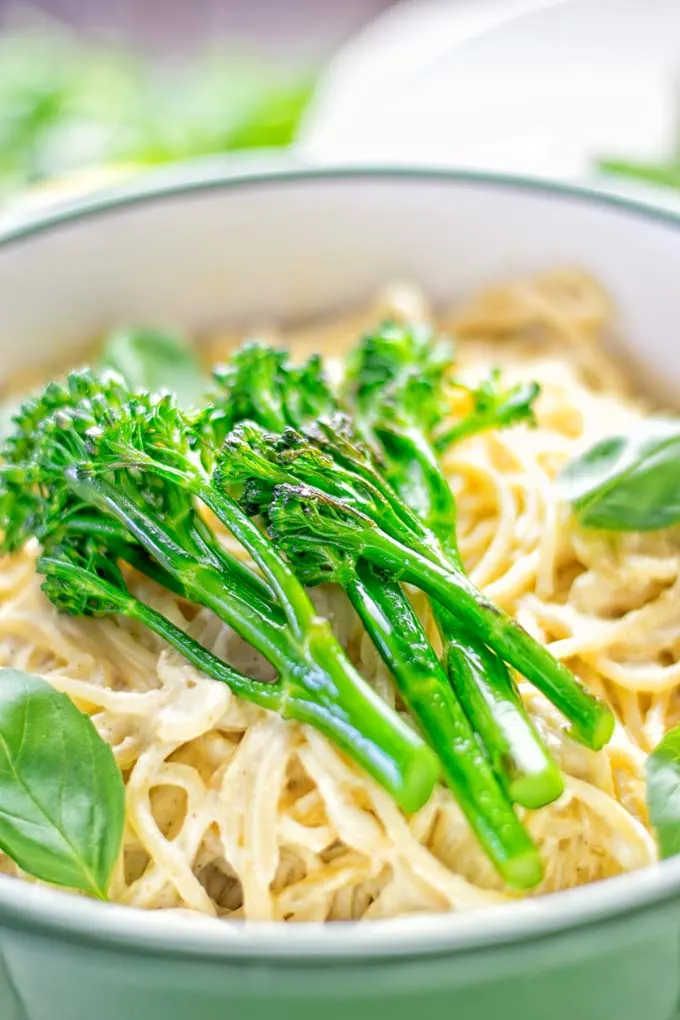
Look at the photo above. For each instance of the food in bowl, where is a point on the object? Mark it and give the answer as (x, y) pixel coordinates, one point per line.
(387, 634)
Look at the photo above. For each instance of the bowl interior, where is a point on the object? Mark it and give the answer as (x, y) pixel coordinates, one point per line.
(290, 246)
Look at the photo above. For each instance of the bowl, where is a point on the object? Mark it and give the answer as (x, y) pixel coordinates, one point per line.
(540, 86)
(213, 247)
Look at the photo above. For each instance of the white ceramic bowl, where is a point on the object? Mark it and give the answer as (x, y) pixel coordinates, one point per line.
(212, 247)
(293, 245)
(531, 86)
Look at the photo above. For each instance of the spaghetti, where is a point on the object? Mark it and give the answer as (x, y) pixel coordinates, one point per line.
(234, 813)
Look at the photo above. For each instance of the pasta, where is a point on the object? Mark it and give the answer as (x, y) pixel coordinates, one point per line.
(234, 813)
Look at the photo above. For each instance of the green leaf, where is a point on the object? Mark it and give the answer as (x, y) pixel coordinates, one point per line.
(68, 105)
(62, 799)
(627, 482)
(158, 362)
(666, 174)
(663, 792)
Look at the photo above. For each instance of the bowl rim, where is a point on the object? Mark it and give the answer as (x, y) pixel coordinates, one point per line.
(196, 177)
(26, 907)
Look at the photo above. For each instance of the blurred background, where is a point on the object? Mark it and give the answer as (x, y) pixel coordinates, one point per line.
(306, 28)
(94, 91)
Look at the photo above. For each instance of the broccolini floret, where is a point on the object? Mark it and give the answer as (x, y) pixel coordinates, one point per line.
(135, 461)
(264, 451)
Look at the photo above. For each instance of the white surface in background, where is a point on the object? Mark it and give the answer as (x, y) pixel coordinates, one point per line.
(530, 86)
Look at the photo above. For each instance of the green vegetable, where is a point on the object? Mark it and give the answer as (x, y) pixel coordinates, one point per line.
(665, 173)
(157, 361)
(663, 792)
(260, 385)
(627, 482)
(62, 799)
(69, 105)
(493, 407)
(400, 638)
(101, 475)
(305, 518)
(328, 462)
(104, 477)
(396, 377)
(225, 102)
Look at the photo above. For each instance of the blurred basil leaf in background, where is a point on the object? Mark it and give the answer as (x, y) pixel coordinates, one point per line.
(665, 173)
(627, 482)
(155, 361)
(67, 105)
(662, 771)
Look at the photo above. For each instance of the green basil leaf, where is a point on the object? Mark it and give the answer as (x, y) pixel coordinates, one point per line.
(665, 173)
(62, 799)
(157, 361)
(663, 792)
(628, 482)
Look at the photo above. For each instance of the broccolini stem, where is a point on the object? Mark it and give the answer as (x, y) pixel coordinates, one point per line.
(117, 539)
(416, 476)
(327, 694)
(398, 635)
(492, 703)
(241, 573)
(295, 601)
(367, 715)
(202, 582)
(364, 726)
(265, 695)
(114, 533)
(318, 684)
(592, 720)
(482, 680)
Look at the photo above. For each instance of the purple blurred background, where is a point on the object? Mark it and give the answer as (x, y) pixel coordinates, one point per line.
(308, 29)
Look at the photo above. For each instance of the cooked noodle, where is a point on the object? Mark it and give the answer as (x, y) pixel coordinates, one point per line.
(234, 813)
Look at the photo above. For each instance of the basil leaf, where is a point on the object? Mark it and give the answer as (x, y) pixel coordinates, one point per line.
(156, 361)
(627, 482)
(665, 173)
(663, 792)
(62, 799)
